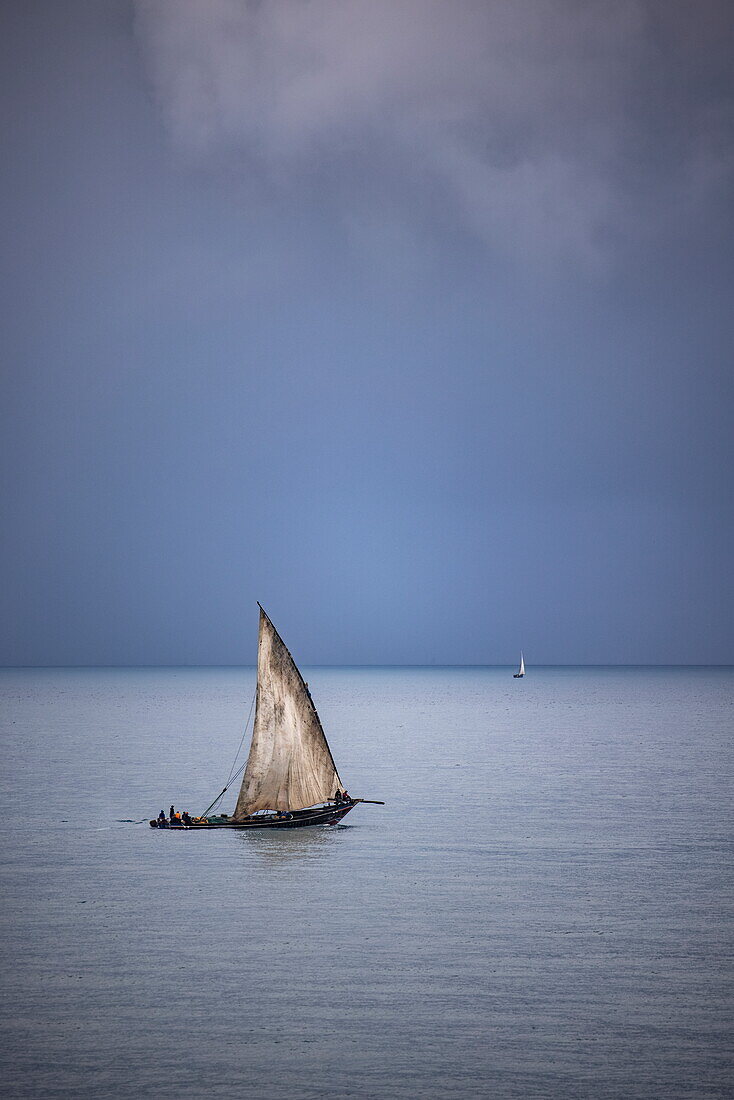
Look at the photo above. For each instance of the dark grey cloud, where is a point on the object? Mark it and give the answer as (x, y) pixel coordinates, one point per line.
(552, 129)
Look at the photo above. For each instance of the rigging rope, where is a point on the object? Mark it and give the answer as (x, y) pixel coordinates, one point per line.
(244, 734)
(231, 778)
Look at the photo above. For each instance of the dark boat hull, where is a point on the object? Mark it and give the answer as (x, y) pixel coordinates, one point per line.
(297, 819)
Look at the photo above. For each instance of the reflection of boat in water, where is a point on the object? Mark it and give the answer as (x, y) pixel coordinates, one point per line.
(521, 671)
(290, 778)
(294, 846)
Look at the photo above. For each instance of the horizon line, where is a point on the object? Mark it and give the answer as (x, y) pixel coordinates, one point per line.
(540, 664)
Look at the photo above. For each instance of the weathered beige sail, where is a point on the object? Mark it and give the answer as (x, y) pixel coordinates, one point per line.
(290, 765)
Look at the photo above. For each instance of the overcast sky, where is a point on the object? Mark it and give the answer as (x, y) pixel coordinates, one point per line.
(411, 319)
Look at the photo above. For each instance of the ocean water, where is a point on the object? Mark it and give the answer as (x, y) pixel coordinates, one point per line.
(543, 907)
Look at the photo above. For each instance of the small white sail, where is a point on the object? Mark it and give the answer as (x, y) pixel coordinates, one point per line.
(522, 664)
(290, 766)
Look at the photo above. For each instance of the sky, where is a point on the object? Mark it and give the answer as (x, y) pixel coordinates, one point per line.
(410, 319)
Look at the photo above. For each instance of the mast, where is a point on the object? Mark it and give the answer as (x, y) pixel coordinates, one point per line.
(290, 766)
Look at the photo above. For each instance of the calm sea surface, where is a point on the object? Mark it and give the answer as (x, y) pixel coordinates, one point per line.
(542, 909)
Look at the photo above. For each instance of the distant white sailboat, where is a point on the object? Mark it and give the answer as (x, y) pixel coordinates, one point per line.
(521, 671)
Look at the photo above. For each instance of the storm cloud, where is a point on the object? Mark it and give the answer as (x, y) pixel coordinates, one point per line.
(547, 129)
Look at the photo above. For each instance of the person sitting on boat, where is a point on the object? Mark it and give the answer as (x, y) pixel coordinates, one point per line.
(345, 797)
(161, 817)
(338, 797)
(176, 819)
(185, 817)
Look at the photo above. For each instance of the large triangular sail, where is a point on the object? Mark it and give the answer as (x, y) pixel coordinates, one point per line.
(290, 765)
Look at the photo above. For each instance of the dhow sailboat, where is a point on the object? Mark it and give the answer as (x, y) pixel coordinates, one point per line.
(290, 778)
(521, 671)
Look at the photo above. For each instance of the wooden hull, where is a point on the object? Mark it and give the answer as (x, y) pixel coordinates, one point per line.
(298, 819)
